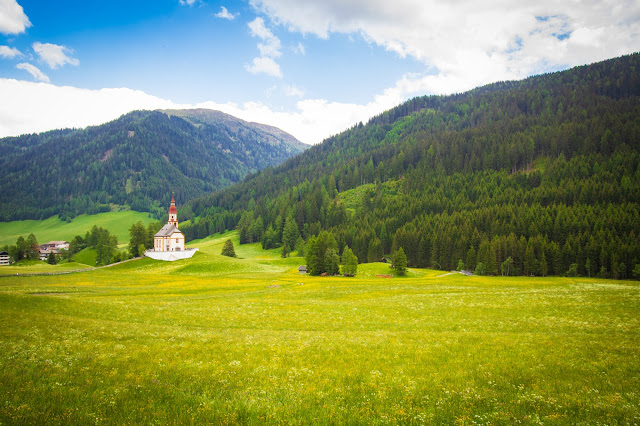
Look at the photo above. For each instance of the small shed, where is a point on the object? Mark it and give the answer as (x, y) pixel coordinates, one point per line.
(302, 270)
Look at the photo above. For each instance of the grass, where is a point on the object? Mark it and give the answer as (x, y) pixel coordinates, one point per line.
(86, 256)
(219, 340)
(53, 229)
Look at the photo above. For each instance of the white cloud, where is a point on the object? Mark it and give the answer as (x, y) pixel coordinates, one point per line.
(269, 50)
(54, 55)
(12, 18)
(37, 107)
(224, 14)
(293, 91)
(468, 42)
(9, 52)
(34, 71)
(189, 2)
(299, 49)
(264, 65)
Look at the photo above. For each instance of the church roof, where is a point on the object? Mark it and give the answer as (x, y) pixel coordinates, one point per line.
(167, 231)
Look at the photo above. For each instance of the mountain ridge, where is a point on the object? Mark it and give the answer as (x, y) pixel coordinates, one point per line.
(133, 161)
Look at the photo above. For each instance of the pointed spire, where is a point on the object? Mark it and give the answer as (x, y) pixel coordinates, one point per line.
(173, 212)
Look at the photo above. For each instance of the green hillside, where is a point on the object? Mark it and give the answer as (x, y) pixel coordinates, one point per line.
(532, 177)
(135, 161)
(216, 340)
(54, 229)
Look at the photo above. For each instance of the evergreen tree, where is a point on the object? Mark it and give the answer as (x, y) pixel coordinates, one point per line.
(400, 263)
(374, 252)
(331, 262)
(460, 265)
(300, 246)
(138, 239)
(285, 251)
(349, 263)
(51, 259)
(228, 249)
(544, 268)
(530, 261)
(290, 233)
(270, 238)
(32, 248)
(471, 258)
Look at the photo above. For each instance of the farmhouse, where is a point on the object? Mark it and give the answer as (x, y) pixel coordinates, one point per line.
(54, 247)
(4, 258)
(168, 243)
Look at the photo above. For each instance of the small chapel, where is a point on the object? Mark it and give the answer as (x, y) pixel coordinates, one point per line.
(169, 237)
(168, 243)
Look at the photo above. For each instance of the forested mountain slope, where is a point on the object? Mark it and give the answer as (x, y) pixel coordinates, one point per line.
(134, 161)
(539, 176)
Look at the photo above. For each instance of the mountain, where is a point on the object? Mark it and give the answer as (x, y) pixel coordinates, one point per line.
(539, 176)
(135, 161)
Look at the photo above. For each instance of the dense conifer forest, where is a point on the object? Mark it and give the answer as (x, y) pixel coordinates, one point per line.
(134, 161)
(534, 177)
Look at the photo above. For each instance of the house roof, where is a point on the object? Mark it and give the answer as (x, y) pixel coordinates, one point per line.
(4, 253)
(57, 242)
(167, 231)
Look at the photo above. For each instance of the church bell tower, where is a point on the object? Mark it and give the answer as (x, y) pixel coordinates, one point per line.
(173, 213)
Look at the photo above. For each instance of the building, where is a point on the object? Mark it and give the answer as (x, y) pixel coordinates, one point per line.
(168, 243)
(55, 247)
(4, 258)
(169, 237)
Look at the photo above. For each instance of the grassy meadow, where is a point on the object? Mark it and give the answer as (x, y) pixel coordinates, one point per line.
(249, 340)
(54, 229)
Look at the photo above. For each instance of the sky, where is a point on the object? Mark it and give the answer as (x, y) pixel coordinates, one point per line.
(311, 68)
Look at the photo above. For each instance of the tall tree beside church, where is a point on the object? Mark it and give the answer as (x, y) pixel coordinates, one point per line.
(138, 240)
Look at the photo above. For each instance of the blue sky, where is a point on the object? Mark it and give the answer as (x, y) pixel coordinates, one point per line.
(312, 68)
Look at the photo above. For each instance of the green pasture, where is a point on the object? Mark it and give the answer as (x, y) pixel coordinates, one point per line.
(54, 229)
(249, 340)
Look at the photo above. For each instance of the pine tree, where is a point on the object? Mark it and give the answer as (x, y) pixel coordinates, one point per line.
(290, 233)
(349, 262)
(228, 249)
(331, 262)
(544, 268)
(51, 259)
(400, 264)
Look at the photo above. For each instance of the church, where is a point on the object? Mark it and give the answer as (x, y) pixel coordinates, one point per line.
(168, 243)
(169, 237)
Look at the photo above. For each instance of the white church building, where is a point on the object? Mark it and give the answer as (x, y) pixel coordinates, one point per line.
(168, 243)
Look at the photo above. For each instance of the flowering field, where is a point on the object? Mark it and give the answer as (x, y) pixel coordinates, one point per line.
(220, 340)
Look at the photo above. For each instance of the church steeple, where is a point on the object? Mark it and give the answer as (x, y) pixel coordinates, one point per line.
(173, 212)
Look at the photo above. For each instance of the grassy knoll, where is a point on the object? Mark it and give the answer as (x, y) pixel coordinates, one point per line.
(220, 340)
(117, 223)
